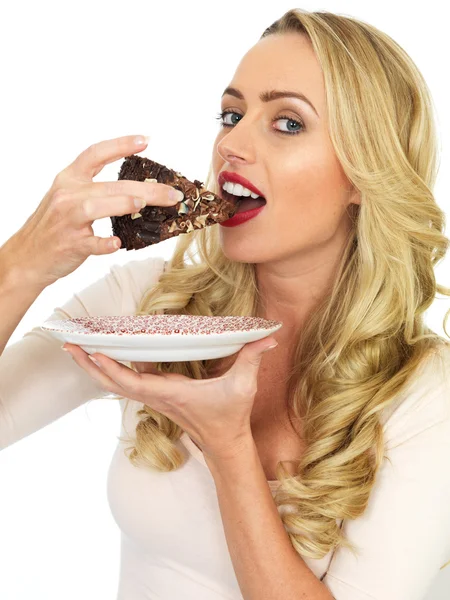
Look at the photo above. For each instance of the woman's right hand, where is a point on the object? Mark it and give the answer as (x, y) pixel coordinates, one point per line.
(58, 237)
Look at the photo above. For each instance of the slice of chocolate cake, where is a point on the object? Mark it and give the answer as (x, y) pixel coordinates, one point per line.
(154, 224)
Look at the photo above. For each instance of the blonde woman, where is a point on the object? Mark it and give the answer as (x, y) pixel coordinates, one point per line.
(317, 470)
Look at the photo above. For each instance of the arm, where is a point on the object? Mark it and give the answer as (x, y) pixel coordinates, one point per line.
(40, 383)
(16, 296)
(266, 564)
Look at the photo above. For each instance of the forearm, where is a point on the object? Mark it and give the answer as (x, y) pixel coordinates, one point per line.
(266, 564)
(16, 297)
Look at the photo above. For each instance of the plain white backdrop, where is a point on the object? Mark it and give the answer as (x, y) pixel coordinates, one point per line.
(76, 73)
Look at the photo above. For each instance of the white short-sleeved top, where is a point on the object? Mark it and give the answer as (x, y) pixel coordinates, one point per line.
(172, 539)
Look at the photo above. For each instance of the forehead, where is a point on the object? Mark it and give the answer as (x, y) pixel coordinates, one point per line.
(285, 61)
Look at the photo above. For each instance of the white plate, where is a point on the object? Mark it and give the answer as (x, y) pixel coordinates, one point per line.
(161, 338)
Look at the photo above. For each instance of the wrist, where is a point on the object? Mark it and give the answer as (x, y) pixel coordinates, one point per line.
(226, 459)
(15, 274)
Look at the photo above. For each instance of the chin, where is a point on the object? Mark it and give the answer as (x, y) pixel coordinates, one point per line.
(241, 253)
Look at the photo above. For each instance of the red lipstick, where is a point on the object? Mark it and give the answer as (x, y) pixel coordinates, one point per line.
(239, 218)
(235, 178)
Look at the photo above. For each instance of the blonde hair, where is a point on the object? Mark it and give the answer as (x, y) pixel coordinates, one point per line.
(358, 351)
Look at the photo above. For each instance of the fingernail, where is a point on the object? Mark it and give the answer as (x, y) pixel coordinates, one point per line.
(94, 360)
(68, 351)
(114, 244)
(176, 196)
(270, 347)
(140, 140)
(139, 203)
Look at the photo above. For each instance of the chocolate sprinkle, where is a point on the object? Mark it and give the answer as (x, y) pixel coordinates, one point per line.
(200, 207)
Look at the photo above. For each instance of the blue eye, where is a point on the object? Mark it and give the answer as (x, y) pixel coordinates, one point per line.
(291, 121)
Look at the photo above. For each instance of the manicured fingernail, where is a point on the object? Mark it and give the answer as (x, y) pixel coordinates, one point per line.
(114, 244)
(270, 347)
(94, 361)
(176, 195)
(65, 349)
(141, 140)
(140, 203)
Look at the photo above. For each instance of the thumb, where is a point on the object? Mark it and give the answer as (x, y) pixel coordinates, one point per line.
(251, 354)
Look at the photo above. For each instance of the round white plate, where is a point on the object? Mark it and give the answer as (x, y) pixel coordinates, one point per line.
(161, 338)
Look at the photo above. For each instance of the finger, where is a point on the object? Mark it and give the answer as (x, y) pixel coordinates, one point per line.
(126, 378)
(98, 246)
(106, 199)
(161, 388)
(245, 370)
(92, 160)
(82, 359)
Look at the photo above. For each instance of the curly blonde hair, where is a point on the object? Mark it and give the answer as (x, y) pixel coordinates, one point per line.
(364, 343)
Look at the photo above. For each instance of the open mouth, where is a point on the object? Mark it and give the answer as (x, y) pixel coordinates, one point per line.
(243, 203)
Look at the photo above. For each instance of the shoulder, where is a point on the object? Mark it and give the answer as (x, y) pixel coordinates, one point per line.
(424, 403)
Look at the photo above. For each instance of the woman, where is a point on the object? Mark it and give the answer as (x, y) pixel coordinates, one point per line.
(354, 398)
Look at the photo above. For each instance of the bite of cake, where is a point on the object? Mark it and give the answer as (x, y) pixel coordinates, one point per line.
(152, 224)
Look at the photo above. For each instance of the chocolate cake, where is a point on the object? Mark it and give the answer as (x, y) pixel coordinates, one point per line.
(153, 224)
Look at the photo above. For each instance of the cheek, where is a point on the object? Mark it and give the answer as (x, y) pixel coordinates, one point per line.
(315, 197)
(313, 183)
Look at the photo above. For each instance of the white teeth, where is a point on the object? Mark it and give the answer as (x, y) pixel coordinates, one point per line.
(238, 190)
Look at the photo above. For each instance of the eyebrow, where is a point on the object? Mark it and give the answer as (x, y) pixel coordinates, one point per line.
(270, 95)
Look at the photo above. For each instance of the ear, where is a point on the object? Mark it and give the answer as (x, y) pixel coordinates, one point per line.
(355, 196)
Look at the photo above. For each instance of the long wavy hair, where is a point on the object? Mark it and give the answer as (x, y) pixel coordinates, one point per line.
(359, 350)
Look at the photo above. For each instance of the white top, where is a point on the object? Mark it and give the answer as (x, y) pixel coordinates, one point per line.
(172, 540)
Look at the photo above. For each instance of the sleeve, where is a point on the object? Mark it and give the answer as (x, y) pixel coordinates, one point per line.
(403, 538)
(38, 382)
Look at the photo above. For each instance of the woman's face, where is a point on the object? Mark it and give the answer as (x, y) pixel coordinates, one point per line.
(298, 173)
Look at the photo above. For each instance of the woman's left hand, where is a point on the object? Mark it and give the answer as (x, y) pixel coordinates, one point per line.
(215, 412)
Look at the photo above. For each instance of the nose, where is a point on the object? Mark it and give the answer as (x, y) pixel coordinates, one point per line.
(236, 147)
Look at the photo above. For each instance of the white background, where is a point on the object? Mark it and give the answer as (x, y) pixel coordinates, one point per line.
(75, 73)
